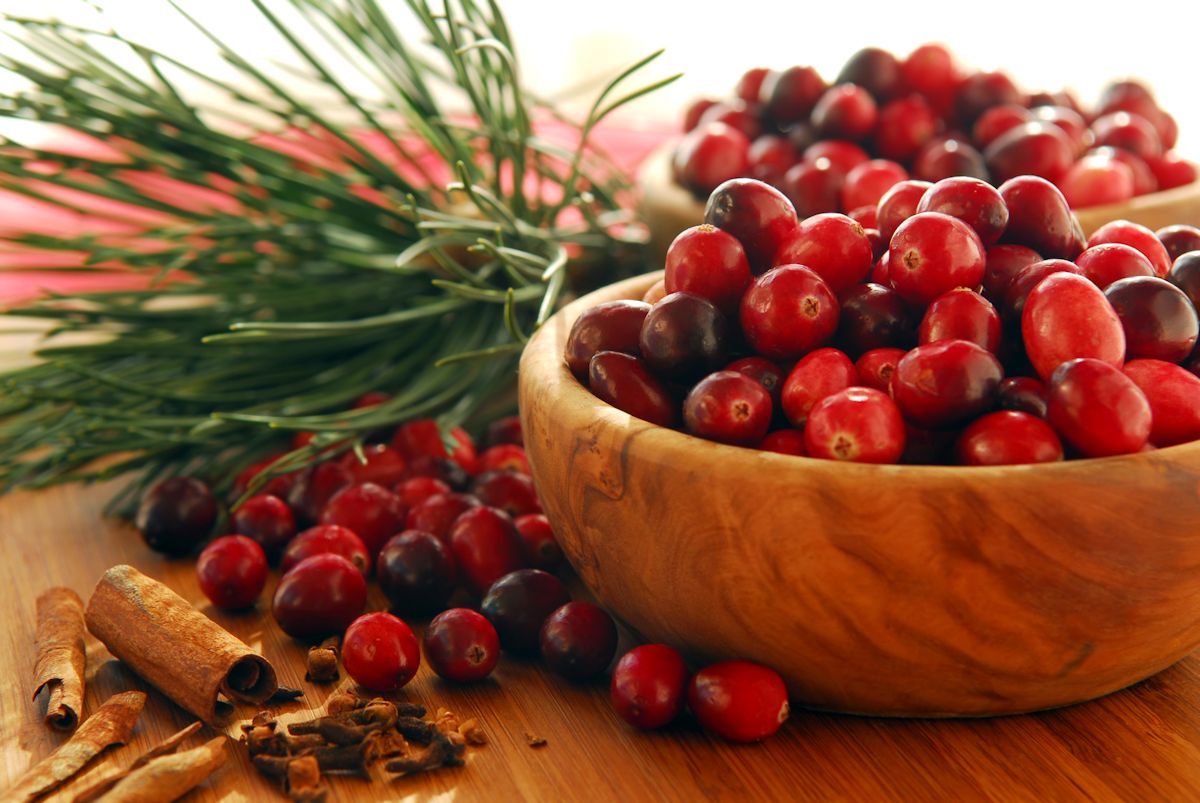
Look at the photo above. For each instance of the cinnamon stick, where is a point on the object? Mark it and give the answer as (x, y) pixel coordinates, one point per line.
(165, 747)
(168, 777)
(187, 656)
(111, 725)
(61, 661)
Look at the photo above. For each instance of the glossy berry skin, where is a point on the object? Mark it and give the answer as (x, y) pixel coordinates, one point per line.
(1040, 218)
(1003, 262)
(540, 543)
(709, 263)
(323, 539)
(504, 430)
(945, 157)
(319, 597)
(1171, 392)
(1095, 181)
(728, 407)
(961, 314)
(578, 640)
(267, 520)
(1179, 239)
(763, 371)
(1130, 132)
(442, 469)
(518, 603)
(696, 110)
(232, 571)
(875, 367)
(858, 424)
(787, 312)
(875, 70)
(683, 337)
(945, 383)
(833, 246)
(874, 316)
(843, 156)
(904, 126)
(176, 514)
(611, 326)
(931, 254)
(508, 490)
(461, 645)
(1067, 317)
(714, 152)
(972, 201)
(981, 91)
(1143, 177)
(867, 183)
(1023, 394)
(380, 652)
(505, 457)
(1138, 236)
(737, 114)
(1105, 263)
(846, 111)
(1097, 409)
(739, 701)
(1007, 438)
(812, 187)
(1069, 121)
(422, 438)
(1032, 149)
(373, 512)
(1185, 274)
(486, 546)
(784, 441)
(416, 571)
(898, 204)
(1159, 320)
(749, 85)
(648, 686)
(1171, 170)
(1028, 278)
(626, 383)
(818, 374)
(930, 70)
(758, 215)
(384, 465)
(996, 120)
(314, 488)
(789, 96)
(438, 512)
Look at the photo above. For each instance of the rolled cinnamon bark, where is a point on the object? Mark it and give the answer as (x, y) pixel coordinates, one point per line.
(165, 747)
(61, 661)
(187, 656)
(168, 777)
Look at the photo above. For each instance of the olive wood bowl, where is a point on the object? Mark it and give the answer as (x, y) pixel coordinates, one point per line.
(888, 590)
(668, 208)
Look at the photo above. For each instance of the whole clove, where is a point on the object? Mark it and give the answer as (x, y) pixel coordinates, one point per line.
(534, 741)
(322, 663)
(284, 695)
(441, 752)
(416, 730)
(303, 781)
(342, 701)
(336, 730)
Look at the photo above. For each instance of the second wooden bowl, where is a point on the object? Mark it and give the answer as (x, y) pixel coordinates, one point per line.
(894, 590)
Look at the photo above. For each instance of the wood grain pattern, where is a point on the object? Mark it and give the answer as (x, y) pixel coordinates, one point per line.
(895, 590)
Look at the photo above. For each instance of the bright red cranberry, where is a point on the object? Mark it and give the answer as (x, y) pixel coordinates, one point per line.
(610, 326)
(1028, 278)
(176, 514)
(684, 336)
(1159, 320)
(997, 120)
(518, 603)
(749, 85)
(280, 485)
(1105, 263)
(758, 215)
(945, 157)
(626, 383)
(981, 91)
(384, 465)
(486, 546)
(874, 316)
(696, 110)
(510, 491)
(930, 70)
(1023, 394)
(867, 183)
(1168, 129)
(1008, 438)
(710, 263)
(441, 469)
(738, 700)
(416, 571)
(648, 685)
(578, 640)
(1143, 177)
(267, 520)
(843, 156)
(898, 204)
(932, 253)
(762, 371)
(1171, 170)
(1095, 181)
(961, 314)
(881, 273)
(865, 217)
(1185, 274)
(728, 407)
(1179, 239)
(1040, 218)
(1003, 263)
(1127, 94)
(326, 539)
(858, 424)
(319, 597)
(972, 201)
(878, 244)
(1067, 317)
(833, 246)
(1138, 236)
(1172, 392)
(770, 157)
(423, 438)
(461, 645)
(1030, 149)
(737, 114)
(380, 652)
(942, 384)
(787, 312)
(373, 512)
(875, 70)
(814, 187)
(1097, 409)
(875, 367)
(1130, 132)
(710, 154)
(1070, 122)
(784, 441)
(818, 374)
(846, 111)
(437, 513)
(314, 488)
(789, 96)
(232, 571)
(904, 126)
(540, 543)
(302, 439)
(506, 457)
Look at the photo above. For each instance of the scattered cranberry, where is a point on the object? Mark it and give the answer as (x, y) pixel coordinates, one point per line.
(904, 126)
(932, 253)
(267, 520)
(323, 539)
(1171, 170)
(461, 645)
(319, 597)
(758, 215)
(789, 95)
(945, 383)
(416, 571)
(831, 245)
(1017, 293)
(1008, 438)
(380, 652)
(784, 441)
(738, 700)
(1067, 317)
(875, 70)
(176, 514)
(383, 466)
(578, 640)
(737, 114)
(626, 383)
(684, 336)
(1171, 392)
(232, 571)
(843, 156)
(787, 312)
(1144, 180)
(280, 485)
(518, 603)
(728, 407)
(422, 439)
(611, 326)
(818, 374)
(373, 512)
(1097, 409)
(930, 70)
(981, 91)
(1158, 318)
(506, 457)
(1130, 132)
(438, 512)
(1105, 263)
(996, 120)
(875, 367)
(648, 685)
(486, 546)
(540, 543)
(314, 488)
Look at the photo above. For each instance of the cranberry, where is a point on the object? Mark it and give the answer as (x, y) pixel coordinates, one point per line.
(1070, 122)
(1171, 170)
(728, 407)
(972, 201)
(540, 543)
(648, 685)
(981, 91)
(1040, 218)
(789, 96)
(1029, 277)
(932, 253)
(875, 70)
(1125, 95)
(319, 597)
(898, 204)
(878, 244)
(1023, 394)
(1105, 263)
(510, 491)
(326, 539)
(373, 512)
(996, 120)
(875, 367)
(1008, 438)
(738, 700)
(1034, 148)
(843, 156)
(1143, 177)
(813, 187)
(858, 424)
(904, 126)
(818, 374)
(867, 183)
(784, 441)
(709, 263)
(1138, 236)
(696, 110)
(518, 603)
(504, 430)
(176, 514)
(486, 546)
(1002, 264)
(423, 438)
(737, 114)
(1168, 130)
(1185, 274)
(624, 382)
(266, 520)
(833, 246)
(232, 571)
(749, 85)
(1171, 392)
(683, 336)
(881, 273)
(1130, 132)
(383, 465)
(610, 326)
(314, 488)
(380, 652)
(930, 70)
(1097, 409)
(416, 571)
(461, 645)
(762, 371)
(441, 469)
(437, 513)
(787, 312)
(845, 111)
(873, 316)
(1095, 181)
(578, 640)
(864, 216)
(758, 215)
(770, 157)
(1066, 317)
(710, 154)
(1179, 239)
(280, 485)
(961, 314)
(1159, 321)
(506, 457)
(942, 384)
(946, 157)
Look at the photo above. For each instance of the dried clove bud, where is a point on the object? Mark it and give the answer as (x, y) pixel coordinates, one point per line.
(534, 741)
(284, 695)
(472, 733)
(411, 710)
(323, 662)
(440, 753)
(303, 782)
(387, 744)
(416, 730)
(445, 721)
(341, 702)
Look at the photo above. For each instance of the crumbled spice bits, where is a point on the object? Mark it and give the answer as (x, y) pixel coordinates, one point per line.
(165, 747)
(534, 741)
(322, 665)
(61, 659)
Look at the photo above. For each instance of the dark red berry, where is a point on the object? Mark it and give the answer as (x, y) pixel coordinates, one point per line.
(1105, 263)
(486, 546)
(506, 457)
(383, 465)
(1138, 236)
(1097, 409)
(845, 111)
(981, 91)
(232, 571)
(1024, 394)
(961, 314)
(1159, 320)
(1028, 278)
(416, 571)
(441, 469)
(1179, 239)
(833, 246)
(874, 316)
(763, 371)
(578, 640)
(279, 485)
(787, 312)
(423, 438)
(323, 539)
(611, 326)
(1067, 317)
(708, 262)
(1008, 438)
(749, 85)
(728, 407)
(898, 204)
(929, 70)
(437, 513)
(267, 520)
(770, 157)
(858, 424)
(380, 652)
(784, 441)
(371, 511)
(867, 183)
(540, 543)
(943, 157)
(813, 187)
(738, 700)
(997, 120)
(875, 367)
(875, 70)
(710, 154)
(1130, 132)
(504, 430)
(1185, 274)
(683, 337)
(758, 215)
(1031, 149)
(696, 110)
(1003, 262)
(1144, 180)
(648, 685)
(314, 488)
(789, 96)
(904, 126)
(461, 645)
(1171, 170)
(176, 514)
(843, 156)
(945, 383)
(626, 383)
(518, 603)
(319, 597)
(511, 492)
(1040, 218)
(735, 113)
(972, 201)
(1095, 181)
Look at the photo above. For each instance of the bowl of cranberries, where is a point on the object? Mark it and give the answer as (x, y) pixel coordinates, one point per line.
(838, 146)
(953, 473)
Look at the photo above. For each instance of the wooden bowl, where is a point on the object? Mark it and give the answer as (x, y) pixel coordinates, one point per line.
(893, 590)
(668, 208)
